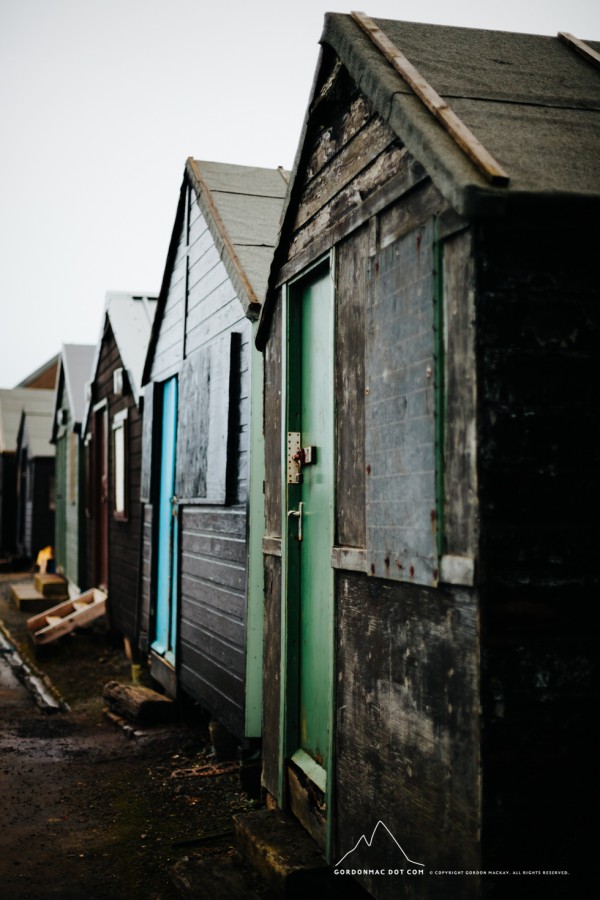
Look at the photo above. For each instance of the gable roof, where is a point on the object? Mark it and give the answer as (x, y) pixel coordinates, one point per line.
(44, 377)
(242, 206)
(532, 101)
(13, 402)
(74, 371)
(130, 317)
(36, 425)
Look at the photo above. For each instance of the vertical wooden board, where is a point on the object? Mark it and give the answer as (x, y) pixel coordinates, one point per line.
(408, 733)
(460, 463)
(272, 426)
(351, 257)
(147, 443)
(272, 675)
(203, 423)
(400, 411)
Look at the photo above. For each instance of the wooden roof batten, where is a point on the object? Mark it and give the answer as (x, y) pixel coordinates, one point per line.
(580, 47)
(456, 128)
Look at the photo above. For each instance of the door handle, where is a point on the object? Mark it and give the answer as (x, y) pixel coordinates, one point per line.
(297, 514)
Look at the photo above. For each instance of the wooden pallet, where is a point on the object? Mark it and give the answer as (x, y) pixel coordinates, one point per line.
(66, 616)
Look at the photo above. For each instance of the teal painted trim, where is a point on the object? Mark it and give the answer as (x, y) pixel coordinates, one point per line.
(440, 388)
(256, 528)
(283, 681)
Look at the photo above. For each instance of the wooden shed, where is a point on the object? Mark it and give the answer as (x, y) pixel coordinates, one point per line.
(203, 511)
(113, 453)
(429, 334)
(36, 493)
(74, 373)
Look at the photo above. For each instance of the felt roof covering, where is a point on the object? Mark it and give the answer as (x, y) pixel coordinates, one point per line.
(15, 401)
(531, 100)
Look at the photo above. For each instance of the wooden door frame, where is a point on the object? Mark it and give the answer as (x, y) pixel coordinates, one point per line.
(101, 408)
(163, 669)
(290, 560)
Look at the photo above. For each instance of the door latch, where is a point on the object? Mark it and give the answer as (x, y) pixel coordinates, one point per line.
(297, 514)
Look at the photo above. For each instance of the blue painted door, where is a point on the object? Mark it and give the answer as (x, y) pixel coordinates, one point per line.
(165, 631)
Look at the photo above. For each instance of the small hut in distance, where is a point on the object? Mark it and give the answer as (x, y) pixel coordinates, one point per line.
(75, 366)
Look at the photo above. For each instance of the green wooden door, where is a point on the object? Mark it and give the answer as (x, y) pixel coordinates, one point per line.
(311, 529)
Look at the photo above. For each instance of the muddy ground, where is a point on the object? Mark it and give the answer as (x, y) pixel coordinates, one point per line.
(86, 811)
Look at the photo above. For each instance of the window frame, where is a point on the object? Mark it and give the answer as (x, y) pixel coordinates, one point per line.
(120, 476)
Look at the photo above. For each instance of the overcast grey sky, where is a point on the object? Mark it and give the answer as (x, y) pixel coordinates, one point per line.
(102, 101)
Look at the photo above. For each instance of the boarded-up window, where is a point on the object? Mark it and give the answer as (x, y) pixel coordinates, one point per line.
(400, 411)
(203, 423)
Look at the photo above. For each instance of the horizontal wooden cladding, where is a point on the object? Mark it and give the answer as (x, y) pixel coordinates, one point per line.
(214, 570)
(348, 197)
(342, 169)
(215, 596)
(228, 521)
(410, 174)
(338, 134)
(217, 637)
(215, 688)
(221, 547)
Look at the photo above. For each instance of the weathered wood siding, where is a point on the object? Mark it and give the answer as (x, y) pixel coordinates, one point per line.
(538, 324)
(272, 563)
(205, 338)
(406, 656)
(406, 677)
(124, 534)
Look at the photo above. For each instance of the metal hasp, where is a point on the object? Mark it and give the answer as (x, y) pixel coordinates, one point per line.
(294, 467)
(456, 128)
(297, 457)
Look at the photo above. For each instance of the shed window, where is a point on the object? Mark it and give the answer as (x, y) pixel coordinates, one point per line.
(120, 465)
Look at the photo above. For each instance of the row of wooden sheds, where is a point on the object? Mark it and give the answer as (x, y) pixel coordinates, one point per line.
(339, 492)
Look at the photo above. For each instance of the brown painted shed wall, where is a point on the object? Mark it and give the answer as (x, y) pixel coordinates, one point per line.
(124, 535)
